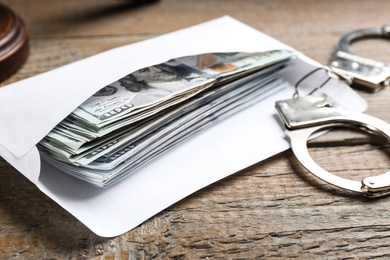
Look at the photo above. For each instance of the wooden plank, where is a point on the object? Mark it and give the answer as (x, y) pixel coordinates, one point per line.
(272, 209)
(288, 19)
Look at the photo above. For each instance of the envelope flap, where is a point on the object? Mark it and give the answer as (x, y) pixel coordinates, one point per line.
(32, 107)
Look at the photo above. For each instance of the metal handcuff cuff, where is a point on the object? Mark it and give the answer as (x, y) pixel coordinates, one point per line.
(370, 74)
(305, 115)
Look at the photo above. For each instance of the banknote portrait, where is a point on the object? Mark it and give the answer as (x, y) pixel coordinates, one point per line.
(146, 77)
(106, 91)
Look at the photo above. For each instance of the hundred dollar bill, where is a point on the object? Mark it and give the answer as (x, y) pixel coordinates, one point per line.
(130, 146)
(206, 114)
(109, 109)
(94, 150)
(139, 91)
(226, 93)
(151, 86)
(143, 152)
(91, 144)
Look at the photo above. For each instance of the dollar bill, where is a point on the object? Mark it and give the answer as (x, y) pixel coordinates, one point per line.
(94, 150)
(89, 121)
(208, 115)
(136, 118)
(134, 155)
(226, 93)
(149, 87)
(139, 91)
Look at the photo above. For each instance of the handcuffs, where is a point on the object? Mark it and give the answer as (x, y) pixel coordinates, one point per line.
(369, 74)
(305, 115)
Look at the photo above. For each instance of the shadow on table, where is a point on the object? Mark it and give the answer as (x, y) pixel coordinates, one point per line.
(320, 185)
(28, 213)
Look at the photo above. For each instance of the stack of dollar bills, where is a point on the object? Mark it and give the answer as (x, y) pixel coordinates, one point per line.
(131, 121)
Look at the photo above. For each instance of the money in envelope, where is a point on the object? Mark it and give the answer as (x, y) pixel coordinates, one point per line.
(134, 119)
(167, 117)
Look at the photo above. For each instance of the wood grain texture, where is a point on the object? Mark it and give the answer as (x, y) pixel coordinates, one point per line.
(273, 209)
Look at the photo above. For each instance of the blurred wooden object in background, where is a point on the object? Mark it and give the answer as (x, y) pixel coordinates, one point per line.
(13, 42)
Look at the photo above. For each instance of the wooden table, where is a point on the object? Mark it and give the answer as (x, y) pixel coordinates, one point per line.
(271, 209)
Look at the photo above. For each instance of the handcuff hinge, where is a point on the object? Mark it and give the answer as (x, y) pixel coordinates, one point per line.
(376, 186)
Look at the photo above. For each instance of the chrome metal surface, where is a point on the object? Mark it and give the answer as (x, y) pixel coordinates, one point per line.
(370, 74)
(307, 115)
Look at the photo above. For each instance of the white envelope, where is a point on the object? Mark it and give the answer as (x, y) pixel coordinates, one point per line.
(29, 109)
